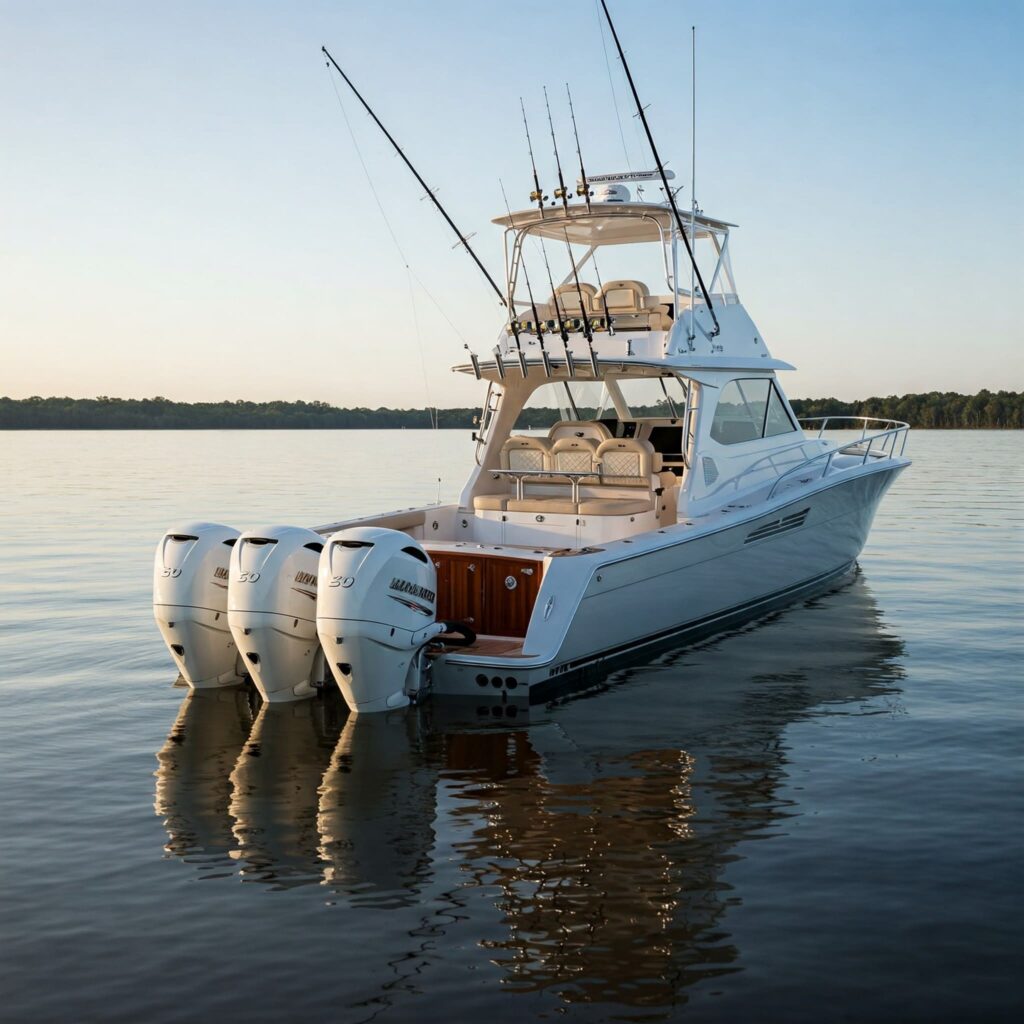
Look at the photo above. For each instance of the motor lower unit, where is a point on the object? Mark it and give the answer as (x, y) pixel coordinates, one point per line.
(272, 597)
(190, 602)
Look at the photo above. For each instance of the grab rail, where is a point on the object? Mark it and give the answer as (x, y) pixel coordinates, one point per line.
(879, 445)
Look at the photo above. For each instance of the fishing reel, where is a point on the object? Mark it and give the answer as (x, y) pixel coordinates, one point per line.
(538, 196)
(561, 193)
(582, 191)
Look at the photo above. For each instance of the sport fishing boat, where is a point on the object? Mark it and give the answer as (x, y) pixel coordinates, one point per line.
(676, 495)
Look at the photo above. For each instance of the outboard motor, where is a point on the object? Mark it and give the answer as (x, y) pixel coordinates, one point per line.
(375, 615)
(272, 609)
(190, 602)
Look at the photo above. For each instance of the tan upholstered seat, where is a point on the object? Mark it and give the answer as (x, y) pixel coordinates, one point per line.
(579, 428)
(615, 506)
(623, 297)
(575, 455)
(568, 299)
(627, 462)
(521, 452)
(543, 506)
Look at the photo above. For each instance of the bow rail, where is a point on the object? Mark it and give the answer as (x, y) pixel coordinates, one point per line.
(887, 436)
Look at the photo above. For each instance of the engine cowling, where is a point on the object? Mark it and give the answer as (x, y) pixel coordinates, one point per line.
(375, 613)
(190, 602)
(272, 609)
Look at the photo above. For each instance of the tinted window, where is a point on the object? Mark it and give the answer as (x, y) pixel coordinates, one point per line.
(748, 410)
(739, 415)
(777, 421)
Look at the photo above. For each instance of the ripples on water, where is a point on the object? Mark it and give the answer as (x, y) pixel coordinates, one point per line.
(815, 818)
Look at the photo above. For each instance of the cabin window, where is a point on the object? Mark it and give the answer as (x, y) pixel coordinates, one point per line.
(748, 410)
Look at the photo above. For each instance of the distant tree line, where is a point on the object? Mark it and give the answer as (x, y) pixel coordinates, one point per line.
(999, 410)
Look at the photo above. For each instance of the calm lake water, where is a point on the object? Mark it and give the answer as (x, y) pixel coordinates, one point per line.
(817, 818)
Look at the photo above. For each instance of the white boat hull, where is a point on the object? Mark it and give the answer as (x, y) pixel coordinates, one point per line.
(681, 585)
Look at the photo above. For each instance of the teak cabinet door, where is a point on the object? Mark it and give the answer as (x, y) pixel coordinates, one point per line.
(459, 588)
(510, 592)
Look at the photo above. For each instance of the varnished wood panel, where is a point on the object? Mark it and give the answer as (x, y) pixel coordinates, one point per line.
(472, 588)
(507, 609)
(459, 587)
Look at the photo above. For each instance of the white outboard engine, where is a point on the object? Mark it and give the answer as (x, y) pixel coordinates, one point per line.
(272, 609)
(376, 613)
(190, 602)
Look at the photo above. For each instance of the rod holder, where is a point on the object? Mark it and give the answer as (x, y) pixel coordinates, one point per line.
(498, 363)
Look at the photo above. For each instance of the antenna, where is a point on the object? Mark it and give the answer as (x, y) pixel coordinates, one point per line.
(561, 192)
(537, 195)
(416, 174)
(661, 171)
(584, 186)
(693, 166)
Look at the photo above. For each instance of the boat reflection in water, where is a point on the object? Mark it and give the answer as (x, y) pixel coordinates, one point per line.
(193, 788)
(584, 844)
(377, 809)
(274, 798)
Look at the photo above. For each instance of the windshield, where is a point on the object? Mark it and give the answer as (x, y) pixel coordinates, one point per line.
(564, 400)
(646, 397)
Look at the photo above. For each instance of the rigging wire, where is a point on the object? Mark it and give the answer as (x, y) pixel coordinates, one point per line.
(611, 86)
(411, 274)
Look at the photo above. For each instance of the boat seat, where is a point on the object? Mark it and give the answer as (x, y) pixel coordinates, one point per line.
(522, 452)
(575, 455)
(628, 464)
(615, 506)
(543, 506)
(624, 297)
(579, 428)
(568, 300)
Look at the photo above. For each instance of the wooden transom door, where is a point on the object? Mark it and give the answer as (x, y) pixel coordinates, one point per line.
(493, 594)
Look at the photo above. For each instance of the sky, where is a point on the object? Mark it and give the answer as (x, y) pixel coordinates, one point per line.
(183, 212)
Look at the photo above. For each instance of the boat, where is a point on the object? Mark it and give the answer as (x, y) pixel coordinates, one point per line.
(676, 495)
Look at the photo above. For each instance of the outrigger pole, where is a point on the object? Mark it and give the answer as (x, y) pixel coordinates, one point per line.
(416, 174)
(661, 169)
(514, 322)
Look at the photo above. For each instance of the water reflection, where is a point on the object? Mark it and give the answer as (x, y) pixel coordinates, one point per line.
(274, 793)
(193, 789)
(585, 847)
(377, 808)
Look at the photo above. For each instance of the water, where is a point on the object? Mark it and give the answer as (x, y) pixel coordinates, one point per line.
(817, 818)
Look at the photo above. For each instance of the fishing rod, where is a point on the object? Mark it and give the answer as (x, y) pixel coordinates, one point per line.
(661, 171)
(587, 329)
(416, 174)
(537, 195)
(584, 190)
(570, 363)
(533, 306)
(584, 187)
(561, 192)
(514, 319)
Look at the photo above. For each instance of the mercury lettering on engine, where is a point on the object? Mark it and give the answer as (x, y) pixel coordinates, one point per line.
(405, 587)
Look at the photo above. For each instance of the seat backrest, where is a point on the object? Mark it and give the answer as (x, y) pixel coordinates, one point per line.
(623, 297)
(522, 451)
(579, 428)
(628, 462)
(574, 455)
(569, 299)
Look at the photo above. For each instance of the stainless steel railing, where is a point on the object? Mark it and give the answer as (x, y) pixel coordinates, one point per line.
(881, 443)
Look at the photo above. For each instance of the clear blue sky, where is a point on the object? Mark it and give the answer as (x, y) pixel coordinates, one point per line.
(183, 212)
